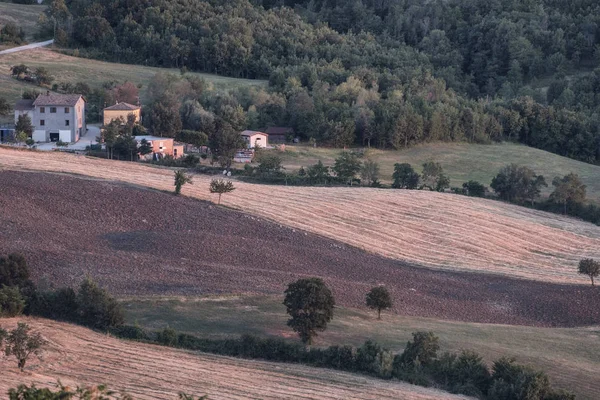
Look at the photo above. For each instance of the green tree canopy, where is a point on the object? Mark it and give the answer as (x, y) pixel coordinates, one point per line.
(309, 303)
(379, 298)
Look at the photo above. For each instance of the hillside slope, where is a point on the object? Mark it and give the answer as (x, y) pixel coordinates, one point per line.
(462, 162)
(442, 231)
(144, 242)
(77, 355)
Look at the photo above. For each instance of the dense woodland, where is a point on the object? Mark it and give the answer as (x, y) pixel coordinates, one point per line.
(385, 73)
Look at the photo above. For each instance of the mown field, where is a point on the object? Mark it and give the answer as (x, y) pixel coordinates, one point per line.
(570, 356)
(23, 15)
(437, 230)
(66, 68)
(77, 355)
(461, 162)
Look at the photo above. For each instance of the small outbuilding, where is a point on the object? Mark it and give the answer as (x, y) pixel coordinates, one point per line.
(279, 134)
(254, 138)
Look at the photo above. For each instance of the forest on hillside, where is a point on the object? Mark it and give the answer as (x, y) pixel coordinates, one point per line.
(385, 73)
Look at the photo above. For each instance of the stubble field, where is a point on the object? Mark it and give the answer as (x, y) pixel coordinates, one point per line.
(440, 231)
(78, 356)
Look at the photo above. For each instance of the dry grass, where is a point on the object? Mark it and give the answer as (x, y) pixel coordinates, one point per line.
(462, 162)
(438, 230)
(23, 15)
(66, 68)
(570, 356)
(77, 355)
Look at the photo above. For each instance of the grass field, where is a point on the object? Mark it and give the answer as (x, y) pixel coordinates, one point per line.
(77, 355)
(439, 230)
(461, 162)
(66, 68)
(570, 356)
(23, 15)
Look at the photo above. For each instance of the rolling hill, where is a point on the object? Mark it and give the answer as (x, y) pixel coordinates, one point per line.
(23, 15)
(77, 355)
(461, 162)
(440, 231)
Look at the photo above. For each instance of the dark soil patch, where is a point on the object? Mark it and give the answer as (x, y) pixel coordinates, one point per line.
(144, 242)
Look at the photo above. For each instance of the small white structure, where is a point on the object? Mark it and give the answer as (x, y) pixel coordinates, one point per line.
(254, 138)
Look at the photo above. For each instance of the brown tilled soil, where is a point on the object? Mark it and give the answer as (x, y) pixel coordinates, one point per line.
(78, 356)
(143, 242)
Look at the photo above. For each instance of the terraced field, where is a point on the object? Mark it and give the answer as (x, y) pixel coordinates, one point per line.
(441, 231)
(76, 355)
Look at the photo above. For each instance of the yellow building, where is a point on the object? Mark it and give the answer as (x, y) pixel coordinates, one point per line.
(121, 110)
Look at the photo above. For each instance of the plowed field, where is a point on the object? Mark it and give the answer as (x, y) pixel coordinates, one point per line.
(76, 355)
(136, 241)
(437, 230)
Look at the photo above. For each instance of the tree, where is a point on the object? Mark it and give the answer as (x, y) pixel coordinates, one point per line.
(221, 186)
(181, 178)
(518, 184)
(14, 271)
(42, 76)
(590, 268)
(195, 138)
(310, 305)
(568, 190)
(224, 143)
(346, 166)
(369, 172)
(5, 108)
(96, 308)
(405, 177)
(144, 147)
(19, 71)
(379, 298)
(318, 173)
(433, 177)
(12, 302)
(270, 163)
(422, 350)
(21, 344)
(24, 125)
(473, 189)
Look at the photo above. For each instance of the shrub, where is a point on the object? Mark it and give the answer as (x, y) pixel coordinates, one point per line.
(168, 337)
(340, 357)
(373, 360)
(473, 189)
(405, 177)
(12, 302)
(60, 304)
(14, 271)
(470, 375)
(130, 332)
(423, 348)
(96, 308)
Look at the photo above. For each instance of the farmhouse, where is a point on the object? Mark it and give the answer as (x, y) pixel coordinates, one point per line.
(279, 134)
(121, 110)
(162, 146)
(254, 138)
(55, 117)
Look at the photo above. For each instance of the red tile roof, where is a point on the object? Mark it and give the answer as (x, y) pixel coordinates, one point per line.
(54, 99)
(123, 107)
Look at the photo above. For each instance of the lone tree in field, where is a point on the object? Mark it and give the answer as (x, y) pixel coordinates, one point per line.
(21, 344)
(310, 305)
(590, 268)
(221, 186)
(379, 299)
(181, 178)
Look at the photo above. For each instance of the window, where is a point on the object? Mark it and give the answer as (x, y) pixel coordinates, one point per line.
(66, 122)
(42, 122)
(42, 110)
(52, 110)
(174, 152)
(67, 110)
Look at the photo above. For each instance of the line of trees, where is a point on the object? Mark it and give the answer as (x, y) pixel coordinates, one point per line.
(377, 74)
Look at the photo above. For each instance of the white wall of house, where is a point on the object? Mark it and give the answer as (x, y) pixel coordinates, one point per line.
(39, 136)
(64, 119)
(65, 136)
(258, 138)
